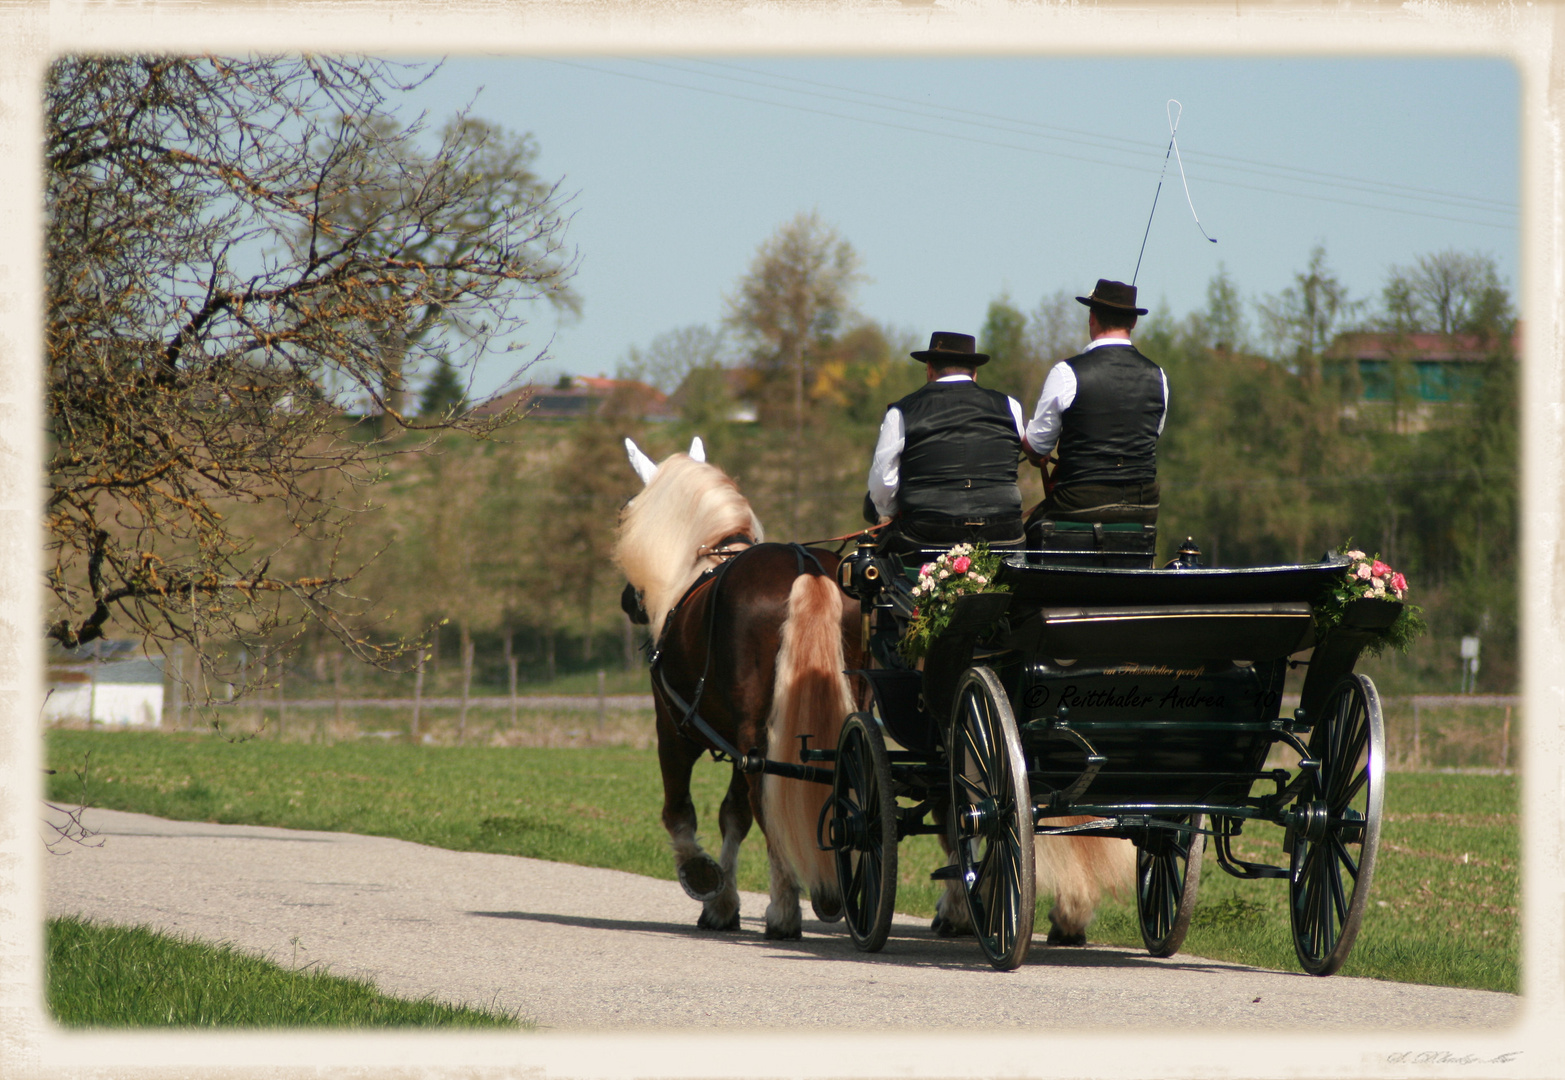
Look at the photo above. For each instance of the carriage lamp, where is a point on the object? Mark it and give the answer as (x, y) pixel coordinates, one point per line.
(1189, 557)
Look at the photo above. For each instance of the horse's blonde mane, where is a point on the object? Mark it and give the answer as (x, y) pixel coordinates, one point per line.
(664, 532)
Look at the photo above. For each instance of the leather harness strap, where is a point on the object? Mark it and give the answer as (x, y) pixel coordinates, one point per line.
(688, 712)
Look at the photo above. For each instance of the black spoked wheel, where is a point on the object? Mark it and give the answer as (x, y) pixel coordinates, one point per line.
(1338, 828)
(991, 813)
(1168, 872)
(864, 831)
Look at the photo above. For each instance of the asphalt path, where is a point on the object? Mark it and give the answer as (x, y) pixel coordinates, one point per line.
(574, 948)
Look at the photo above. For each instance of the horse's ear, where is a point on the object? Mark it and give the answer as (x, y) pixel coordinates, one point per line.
(645, 467)
(697, 449)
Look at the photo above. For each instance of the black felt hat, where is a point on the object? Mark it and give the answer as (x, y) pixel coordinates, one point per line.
(1114, 294)
(947, 347)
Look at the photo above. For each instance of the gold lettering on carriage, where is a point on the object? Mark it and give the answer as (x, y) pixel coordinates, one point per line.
(1131, 668)
(1074, 697)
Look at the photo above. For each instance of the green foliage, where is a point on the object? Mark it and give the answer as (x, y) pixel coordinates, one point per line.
(443, 394)
(112, 976)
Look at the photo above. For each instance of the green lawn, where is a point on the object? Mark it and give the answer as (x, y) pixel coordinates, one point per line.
(111, 976)
(1444, 909)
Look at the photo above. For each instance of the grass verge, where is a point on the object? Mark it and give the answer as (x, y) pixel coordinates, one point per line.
(112, 976)
(1444, 906)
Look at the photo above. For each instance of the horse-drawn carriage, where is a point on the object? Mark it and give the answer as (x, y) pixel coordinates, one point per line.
(1146, 700)
(1092, 699)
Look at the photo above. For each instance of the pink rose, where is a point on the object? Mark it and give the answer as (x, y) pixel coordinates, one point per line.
(1380, 569)
(961, 563)
(927, 569)
(1399, 583)
(1362, 573)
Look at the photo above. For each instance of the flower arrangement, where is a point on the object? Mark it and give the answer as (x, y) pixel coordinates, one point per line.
(1367, 577)
(965, 570)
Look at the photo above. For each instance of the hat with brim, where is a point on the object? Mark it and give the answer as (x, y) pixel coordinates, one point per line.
(946, 347)
(1113, 294)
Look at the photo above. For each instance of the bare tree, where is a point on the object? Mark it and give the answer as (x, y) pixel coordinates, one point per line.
(1450, 292)
(240, 252)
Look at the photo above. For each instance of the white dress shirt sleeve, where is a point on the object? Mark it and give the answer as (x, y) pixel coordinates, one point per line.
(885, 469)
(1017, 418)
(1164, 415)
(1059, 390)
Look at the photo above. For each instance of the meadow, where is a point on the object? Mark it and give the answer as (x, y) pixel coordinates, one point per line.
(1444, 908)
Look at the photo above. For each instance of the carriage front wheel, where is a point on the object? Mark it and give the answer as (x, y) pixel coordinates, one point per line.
(1336, 831)
(991, 815)
(863, 831)
(1168, 872)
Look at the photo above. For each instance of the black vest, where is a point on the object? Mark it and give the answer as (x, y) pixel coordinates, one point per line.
(959, 452)
(1109, 433)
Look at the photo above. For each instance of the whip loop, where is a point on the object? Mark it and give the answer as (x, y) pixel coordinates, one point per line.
(1172, 151)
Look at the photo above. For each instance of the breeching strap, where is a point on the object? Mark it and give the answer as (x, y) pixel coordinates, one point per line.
(689, 712)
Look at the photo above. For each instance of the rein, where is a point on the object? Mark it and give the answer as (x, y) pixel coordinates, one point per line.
(869, 531)
(689, 712)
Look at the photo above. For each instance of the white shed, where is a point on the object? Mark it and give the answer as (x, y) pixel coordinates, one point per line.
(125, 693)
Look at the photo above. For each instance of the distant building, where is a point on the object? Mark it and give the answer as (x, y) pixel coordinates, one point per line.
(105, 682)
(576, 397)
(1421, 373)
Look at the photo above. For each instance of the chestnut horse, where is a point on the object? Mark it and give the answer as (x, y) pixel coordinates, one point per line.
(746, 660)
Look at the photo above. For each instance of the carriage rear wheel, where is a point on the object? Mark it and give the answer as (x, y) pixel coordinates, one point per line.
(1338, 831)
(991, 815)
(864, 831)
(1168, 872)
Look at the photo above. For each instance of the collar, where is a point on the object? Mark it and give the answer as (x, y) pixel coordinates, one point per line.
(1106, 341)
(955, 378)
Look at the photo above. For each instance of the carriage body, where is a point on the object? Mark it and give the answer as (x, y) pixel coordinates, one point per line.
(1147, 699)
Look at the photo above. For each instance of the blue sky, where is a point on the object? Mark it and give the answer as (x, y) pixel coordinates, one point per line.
(958, 180)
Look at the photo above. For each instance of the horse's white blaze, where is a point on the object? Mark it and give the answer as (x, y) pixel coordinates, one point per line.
(645, 467)
(697, 449)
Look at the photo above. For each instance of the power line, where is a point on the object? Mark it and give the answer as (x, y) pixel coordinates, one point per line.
(1048, 153)
(1478, 202)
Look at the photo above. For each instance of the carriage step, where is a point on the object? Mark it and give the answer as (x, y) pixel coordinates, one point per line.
(947, 873)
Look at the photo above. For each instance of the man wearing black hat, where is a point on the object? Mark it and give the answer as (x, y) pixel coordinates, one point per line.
(944, 470)
(1101, 413)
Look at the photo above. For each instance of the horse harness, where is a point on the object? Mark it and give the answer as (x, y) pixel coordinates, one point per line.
(689, 714)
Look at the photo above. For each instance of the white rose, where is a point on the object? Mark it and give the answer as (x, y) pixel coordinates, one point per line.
(944, 574)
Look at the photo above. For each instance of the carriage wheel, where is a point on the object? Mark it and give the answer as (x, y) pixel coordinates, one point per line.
(1168, 872)
(1334, 844)
(864, 831)
(991, 814)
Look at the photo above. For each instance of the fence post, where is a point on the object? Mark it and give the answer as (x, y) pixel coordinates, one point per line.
(600, 696)
(418, 693)
(1505, 740)
(1415, 733)
(282, 671)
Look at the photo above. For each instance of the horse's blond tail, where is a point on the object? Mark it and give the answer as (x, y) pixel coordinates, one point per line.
(811, 697)
(1079, 869)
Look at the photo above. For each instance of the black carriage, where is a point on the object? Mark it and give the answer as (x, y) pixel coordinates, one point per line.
(1149, 699)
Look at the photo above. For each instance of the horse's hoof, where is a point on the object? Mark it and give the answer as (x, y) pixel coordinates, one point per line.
(944, 927)
(827, 909)
(777, 933)
(1060, 937)
(708, 921)
(701, 878)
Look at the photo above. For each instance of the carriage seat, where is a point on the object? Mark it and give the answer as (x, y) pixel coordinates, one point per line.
(1130, 545)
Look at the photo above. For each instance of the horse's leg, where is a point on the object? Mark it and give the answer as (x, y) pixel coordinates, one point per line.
(1078, 870)
(952, 918)
(698, 872)
(722, 911)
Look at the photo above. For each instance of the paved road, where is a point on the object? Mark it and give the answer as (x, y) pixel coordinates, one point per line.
(576, 948)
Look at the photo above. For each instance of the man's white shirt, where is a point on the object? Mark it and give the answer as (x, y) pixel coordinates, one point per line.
(1059, 391)
(885, 469)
